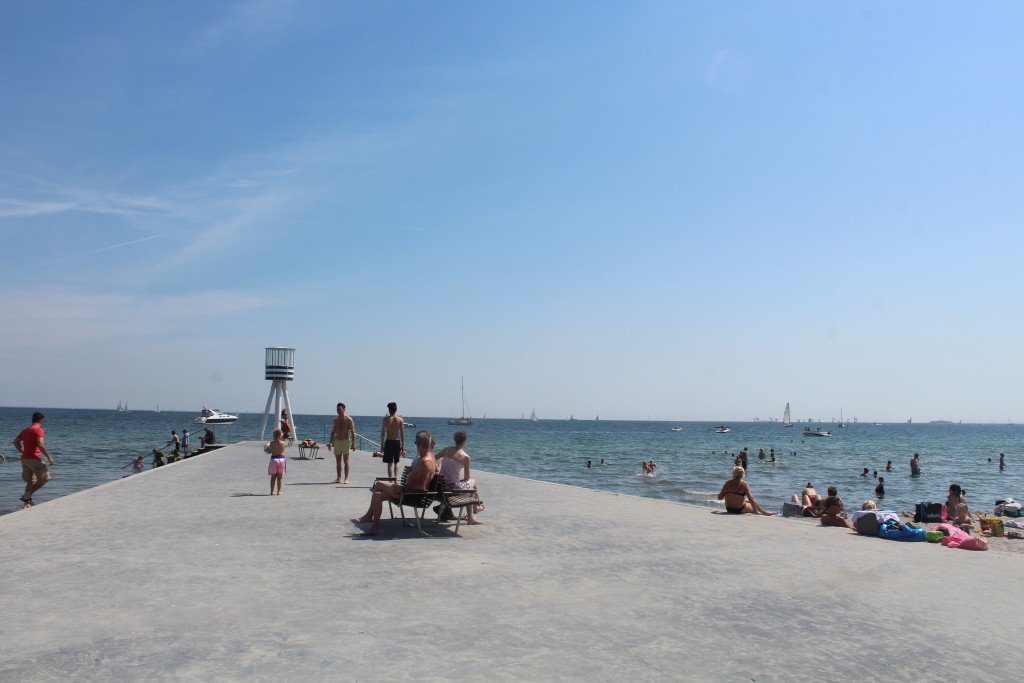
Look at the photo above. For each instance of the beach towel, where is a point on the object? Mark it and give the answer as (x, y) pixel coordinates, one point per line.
(958, 538)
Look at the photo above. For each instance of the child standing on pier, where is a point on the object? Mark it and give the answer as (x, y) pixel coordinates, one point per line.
(278, 464)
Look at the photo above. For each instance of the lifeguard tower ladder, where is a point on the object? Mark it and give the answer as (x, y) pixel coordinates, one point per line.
(280, 370)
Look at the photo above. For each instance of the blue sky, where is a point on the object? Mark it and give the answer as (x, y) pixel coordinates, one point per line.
(674, 210)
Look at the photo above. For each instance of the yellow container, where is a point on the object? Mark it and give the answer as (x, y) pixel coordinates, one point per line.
(996, 525)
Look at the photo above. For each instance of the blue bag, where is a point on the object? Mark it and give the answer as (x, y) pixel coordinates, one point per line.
(894, 531)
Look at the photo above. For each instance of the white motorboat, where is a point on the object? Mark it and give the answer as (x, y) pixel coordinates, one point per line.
(723, 429)
(675, 429)
(212, 416)
(816, 432)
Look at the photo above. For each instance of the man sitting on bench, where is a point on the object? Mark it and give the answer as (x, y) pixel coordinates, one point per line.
(420, 474)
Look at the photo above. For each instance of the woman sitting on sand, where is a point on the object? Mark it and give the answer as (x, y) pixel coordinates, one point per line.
(834, 514)
(956, 508)
(737, 496)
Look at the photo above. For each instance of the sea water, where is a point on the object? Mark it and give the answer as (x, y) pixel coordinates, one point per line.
(92, 447)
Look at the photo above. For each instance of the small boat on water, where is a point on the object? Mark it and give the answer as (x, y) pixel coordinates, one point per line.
(786, 420)
(723, 429)
(816, 432)
(533, 416)
(675, 429)
(212, 416)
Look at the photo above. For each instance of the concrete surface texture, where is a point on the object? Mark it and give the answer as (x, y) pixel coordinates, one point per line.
(193, 572)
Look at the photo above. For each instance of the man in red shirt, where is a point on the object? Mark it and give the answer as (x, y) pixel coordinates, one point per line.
(33, 472)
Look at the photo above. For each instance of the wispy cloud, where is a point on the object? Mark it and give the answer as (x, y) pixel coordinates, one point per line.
(727, 71)
(10, 208)
(102, 249)
(266, 19)
(61, 317)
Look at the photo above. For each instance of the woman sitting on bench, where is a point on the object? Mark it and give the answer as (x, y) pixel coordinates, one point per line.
(453, 464)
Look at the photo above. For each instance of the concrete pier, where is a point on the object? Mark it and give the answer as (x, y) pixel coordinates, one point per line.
(193, 572)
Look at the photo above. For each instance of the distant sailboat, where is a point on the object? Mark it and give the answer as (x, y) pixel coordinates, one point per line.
(464, 420)
(786, 421)
(533, 416)
(597, 418)
(157, 408)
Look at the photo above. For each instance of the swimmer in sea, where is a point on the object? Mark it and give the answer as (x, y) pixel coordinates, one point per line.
(864, 473)
(647, 468)
(888, 466)
(589, 464)
(915, 466)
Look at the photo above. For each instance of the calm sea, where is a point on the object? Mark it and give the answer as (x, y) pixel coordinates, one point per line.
(94, 446)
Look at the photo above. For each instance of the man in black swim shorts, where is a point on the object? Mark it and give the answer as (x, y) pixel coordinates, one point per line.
(392, 435)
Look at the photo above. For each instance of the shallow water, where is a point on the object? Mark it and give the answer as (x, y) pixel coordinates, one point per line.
(94, 446)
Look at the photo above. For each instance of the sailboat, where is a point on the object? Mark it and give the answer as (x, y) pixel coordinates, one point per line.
(464, 420)
(533, 416)
(786, 421)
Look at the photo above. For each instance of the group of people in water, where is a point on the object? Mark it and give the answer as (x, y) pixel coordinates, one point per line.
(178, 447)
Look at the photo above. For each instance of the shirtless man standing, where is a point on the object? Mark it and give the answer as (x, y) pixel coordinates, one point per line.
(419, 478)
(392, 435)
(343, 441)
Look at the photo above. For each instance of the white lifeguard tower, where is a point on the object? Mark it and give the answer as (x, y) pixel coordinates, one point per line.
(280, 370)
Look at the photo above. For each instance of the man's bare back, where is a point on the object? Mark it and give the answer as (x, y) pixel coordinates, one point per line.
(394, 426)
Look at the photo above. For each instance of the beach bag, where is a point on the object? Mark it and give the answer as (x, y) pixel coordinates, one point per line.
(868, 524)
(792, 510)
(928, 513)
(894, 531)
